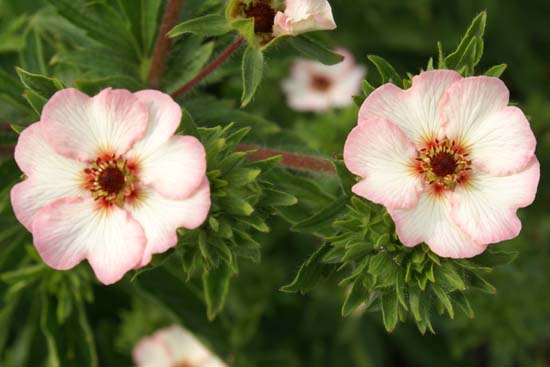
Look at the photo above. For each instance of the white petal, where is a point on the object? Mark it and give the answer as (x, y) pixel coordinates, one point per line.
(175, 169)
(378, 151)
(151, 352)
(414, 110)
(160, 217)
(185, 347)
(486, 206)
(85, 128)
(69, 230)
(498, 137)
(430, 222)
(50, 176)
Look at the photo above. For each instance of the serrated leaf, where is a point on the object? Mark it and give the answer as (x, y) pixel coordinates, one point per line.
(389, 305)
(386, 70)
(312, 49)
(94, 86)
(460, 299)
(252, 73)
(216, 286)
(211, 25)
(311, 271)
(448, 275)
(347, 179)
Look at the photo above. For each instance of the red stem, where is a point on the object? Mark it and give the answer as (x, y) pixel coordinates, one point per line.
(290, 160)
(217, 62)
(162, 47)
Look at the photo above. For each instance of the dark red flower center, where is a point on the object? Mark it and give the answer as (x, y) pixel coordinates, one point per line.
(111, 180)
(444, 164)
(263, 14)
(320, 83)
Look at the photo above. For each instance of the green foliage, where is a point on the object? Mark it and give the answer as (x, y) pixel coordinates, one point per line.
(252, 69)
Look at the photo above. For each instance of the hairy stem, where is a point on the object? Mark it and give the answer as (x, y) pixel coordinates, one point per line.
(290, 160)
(216, 63)
(162, 47)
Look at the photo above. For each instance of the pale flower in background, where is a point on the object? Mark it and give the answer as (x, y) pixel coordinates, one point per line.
(108, 181)
(448, 158)
(174, 347)
(313, 86)
(301, 16)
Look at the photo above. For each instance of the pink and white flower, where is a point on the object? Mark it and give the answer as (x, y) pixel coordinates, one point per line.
(313, 86)
(301, 16)
(108, 181)
(174, 347)
(449, 159)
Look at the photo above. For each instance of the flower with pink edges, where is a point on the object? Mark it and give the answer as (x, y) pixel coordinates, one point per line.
(108, 181)
(449, 159)
(174, 347)
(301, 16)
(313, 86)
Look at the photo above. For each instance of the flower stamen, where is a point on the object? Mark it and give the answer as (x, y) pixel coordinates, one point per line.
(444, 164)
(111, 180)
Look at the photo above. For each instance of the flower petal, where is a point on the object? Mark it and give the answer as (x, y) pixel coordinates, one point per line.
(50, 176)
(70, 230)
(414, 110)
(175, 169)
(378, 151)
(164, 120)
(486, 207)
(84, 128)
(499, 137)
(151, 352)
(183, 346)
(301, 16)
(160, 217)
(430, 222)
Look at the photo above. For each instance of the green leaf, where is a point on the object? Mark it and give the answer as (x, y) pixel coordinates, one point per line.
(89, 340)
(311, 272)
(321, 218)
(496, 71)
(444, 299)
(216, 286)
(355, 297)
(32, 55)
(389, 305)
(276, 198)
(386, 70)
(366, 88)
(211, 25)
(35, 101)
(347, 179)
(236, 205)
(246, 27)
(252, 73)
(187, 125)
(492, 258)
(312, 49)
(46, 325)
(39, 84)
(460, 299)
(478, 282)
(94, 86)
(448, 275)
(100, 21)
(474, 34)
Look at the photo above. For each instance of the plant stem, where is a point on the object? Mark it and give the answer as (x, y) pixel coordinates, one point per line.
(162, 47)
(217, 62)
(290, 160)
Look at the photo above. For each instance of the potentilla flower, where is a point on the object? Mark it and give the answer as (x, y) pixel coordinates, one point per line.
(108, 181)
(174, 347)
(313, 86)
(448, 158)
(273, 18)
(301, 16)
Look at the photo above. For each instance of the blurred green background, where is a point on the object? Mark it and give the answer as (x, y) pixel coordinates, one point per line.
(264, 327)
